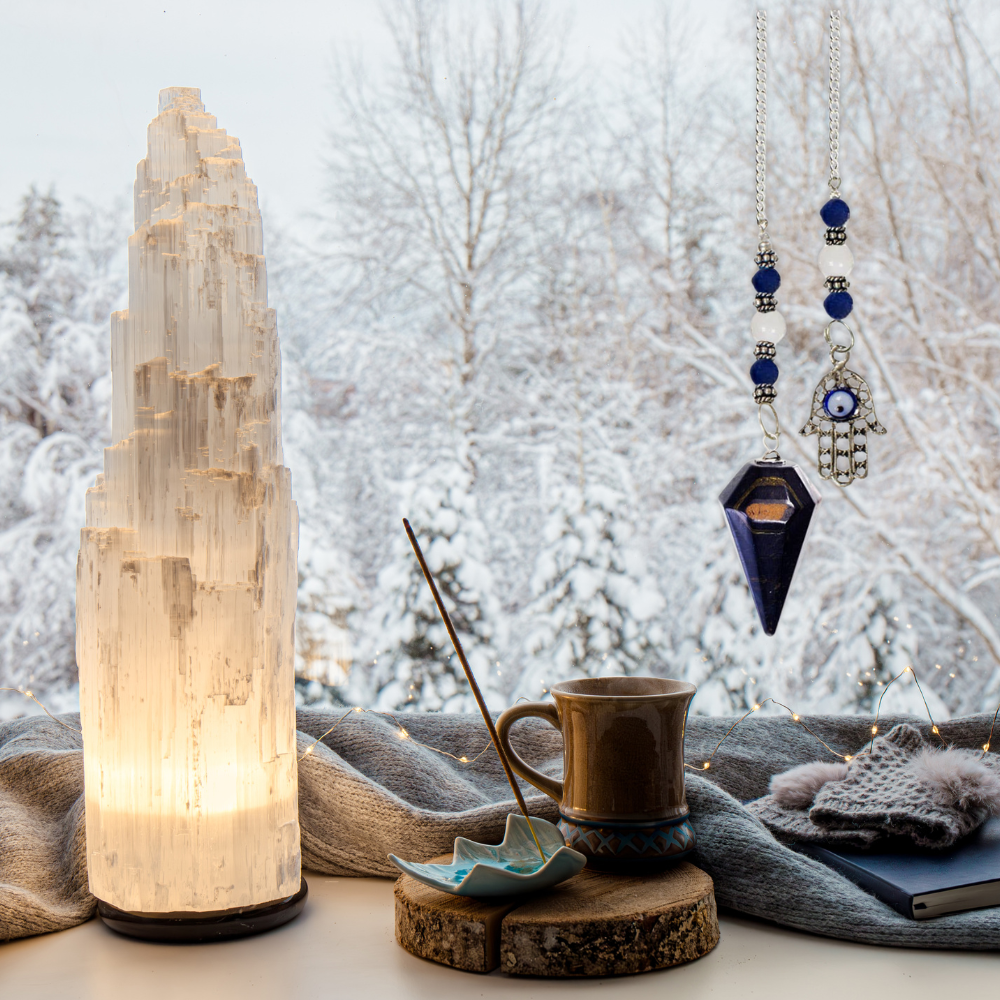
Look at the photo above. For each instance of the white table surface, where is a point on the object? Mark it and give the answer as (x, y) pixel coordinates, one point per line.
(342, 946)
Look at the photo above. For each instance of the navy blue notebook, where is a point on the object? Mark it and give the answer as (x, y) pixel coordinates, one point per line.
(920, 883)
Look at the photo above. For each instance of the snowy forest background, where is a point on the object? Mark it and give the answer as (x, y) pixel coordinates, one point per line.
(520, 317)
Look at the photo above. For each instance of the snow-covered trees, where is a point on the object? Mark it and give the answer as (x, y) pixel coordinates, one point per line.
(415, 664)
(617, 394)
(59, 278)
(597, 606)
(522, 323)
(438, 179)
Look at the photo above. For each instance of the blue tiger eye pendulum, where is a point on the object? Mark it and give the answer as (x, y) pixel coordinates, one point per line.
(769, 503)
(843, 414)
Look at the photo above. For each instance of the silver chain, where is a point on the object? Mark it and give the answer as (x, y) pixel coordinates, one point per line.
(761, 143)
(834, 102)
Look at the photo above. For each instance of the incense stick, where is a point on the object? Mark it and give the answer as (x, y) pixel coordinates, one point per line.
(453, 635)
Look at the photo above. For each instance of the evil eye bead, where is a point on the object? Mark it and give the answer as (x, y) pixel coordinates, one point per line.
(835, 212)
(836, 261)
(768, 326)
(766, 280)
(840, 404)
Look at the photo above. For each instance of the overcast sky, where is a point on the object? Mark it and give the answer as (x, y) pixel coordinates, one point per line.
(80, 80)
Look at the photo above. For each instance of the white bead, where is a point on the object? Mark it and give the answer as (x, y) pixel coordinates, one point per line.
(836, 261)
(768, 326)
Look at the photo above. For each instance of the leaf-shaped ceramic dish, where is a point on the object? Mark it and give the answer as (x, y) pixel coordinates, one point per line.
(504, 869)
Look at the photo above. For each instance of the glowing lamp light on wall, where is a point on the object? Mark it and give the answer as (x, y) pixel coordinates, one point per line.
(186, 576)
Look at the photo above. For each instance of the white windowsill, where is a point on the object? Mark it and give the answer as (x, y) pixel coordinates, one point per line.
(342, 947)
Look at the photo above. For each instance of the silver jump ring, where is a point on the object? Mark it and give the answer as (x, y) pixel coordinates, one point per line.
(838, 348)
(771, 436)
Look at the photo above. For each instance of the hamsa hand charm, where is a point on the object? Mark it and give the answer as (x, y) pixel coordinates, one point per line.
(843, 415)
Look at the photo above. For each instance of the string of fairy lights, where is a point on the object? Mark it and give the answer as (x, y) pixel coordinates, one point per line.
(794, 717)
(401, 731)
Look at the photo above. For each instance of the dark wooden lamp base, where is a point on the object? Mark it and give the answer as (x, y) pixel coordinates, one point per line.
(215, 925)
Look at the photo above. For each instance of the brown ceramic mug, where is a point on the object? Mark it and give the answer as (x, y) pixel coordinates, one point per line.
(622, 793)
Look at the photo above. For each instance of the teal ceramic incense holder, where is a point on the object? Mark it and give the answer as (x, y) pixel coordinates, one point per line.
(506, 869)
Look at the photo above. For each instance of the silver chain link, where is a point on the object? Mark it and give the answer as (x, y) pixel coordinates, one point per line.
(761, 143)
(834, 102)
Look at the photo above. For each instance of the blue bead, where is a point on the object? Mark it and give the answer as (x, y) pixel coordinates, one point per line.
(764, 372)
(835, 212)
(766, 280)
(838, 304)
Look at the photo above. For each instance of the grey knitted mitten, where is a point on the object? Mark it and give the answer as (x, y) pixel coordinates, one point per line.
(903, 788)
(906, 788)
(795, 826)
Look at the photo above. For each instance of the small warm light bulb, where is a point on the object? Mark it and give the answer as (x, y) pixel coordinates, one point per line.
(756, 707)
(934, 729)
(309, 749)
(986, 746)
(358, 708)
(874, 730)
(403, 734)
(847, 756)
(906, 670)
(705, 766)
(795, 718)
(464, 760)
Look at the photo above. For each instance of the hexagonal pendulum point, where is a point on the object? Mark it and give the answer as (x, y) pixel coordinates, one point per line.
(768, 506)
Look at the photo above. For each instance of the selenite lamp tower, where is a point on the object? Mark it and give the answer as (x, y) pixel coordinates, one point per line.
(186, 578)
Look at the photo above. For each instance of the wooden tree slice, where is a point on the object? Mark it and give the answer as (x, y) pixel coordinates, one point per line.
(599, 924)
(595, 924)
(453, 930)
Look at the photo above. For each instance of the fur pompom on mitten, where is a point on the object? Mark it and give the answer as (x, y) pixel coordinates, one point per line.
(796, 789)
(960, 779)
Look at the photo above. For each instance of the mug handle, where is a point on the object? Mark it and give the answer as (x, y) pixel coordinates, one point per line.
(543, 710)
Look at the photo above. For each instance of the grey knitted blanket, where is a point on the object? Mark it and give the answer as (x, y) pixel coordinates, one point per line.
(364, 792)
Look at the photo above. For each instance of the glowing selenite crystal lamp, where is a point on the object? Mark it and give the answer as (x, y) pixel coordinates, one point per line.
(186, 577)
